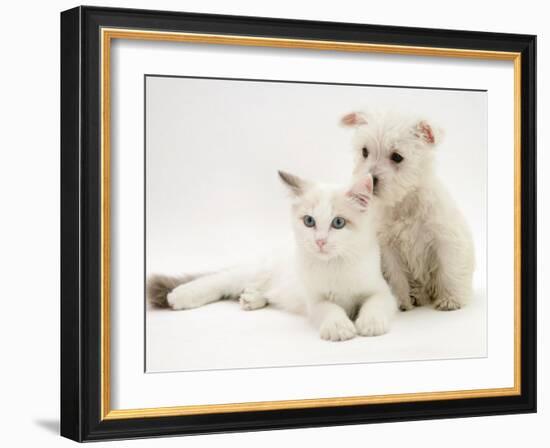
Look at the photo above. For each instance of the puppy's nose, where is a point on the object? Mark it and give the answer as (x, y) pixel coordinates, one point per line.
(374, 180)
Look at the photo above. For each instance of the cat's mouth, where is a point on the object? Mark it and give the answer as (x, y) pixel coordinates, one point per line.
(322, 252)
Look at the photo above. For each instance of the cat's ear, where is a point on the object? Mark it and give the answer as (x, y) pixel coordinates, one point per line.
(360, 192)
(354, 119)
(427, 133)
(295, 184)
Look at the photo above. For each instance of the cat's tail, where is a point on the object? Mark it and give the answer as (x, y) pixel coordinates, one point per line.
(158, 287)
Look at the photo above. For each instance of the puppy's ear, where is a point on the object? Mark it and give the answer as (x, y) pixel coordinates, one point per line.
(428, 133)
(354, 119)
(360, 192)
(295, 184)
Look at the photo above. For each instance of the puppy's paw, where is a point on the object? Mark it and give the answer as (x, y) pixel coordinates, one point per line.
(250, 299)
(418, 297)
(404, 300)
(447, 304)
(187, 296)
(372, 324)
(406, 305)
(337, 329)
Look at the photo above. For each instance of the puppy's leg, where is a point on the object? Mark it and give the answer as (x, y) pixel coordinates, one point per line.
(419, 294)
(376, 314)
(394, 273)
(332, 321)
(452, 278)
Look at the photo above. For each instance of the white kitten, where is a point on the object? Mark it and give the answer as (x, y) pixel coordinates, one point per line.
(427, 248)
(332, 275)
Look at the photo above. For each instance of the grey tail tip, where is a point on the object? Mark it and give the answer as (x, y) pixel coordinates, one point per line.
(159, 286)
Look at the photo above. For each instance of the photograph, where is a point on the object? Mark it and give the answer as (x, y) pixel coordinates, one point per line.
(301, 223)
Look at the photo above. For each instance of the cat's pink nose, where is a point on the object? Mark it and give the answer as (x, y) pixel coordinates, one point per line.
(321, 242)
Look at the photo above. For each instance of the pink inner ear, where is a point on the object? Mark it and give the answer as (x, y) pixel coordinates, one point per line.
(361, 191)
(369, 183)
(353, 119)
(426, 131)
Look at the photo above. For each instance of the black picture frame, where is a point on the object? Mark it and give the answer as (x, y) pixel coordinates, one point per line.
(81, 415)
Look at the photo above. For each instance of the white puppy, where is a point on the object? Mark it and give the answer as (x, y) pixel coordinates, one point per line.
(427, 248)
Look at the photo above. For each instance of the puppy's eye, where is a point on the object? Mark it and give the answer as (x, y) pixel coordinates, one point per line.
(365, 152)
(396, 157)
(309, 221)
(338, 222)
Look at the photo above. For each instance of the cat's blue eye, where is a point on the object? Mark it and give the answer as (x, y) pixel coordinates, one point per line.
(338, 222)
(309, 221)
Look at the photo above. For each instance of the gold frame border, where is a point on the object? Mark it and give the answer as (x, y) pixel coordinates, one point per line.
(107, 35)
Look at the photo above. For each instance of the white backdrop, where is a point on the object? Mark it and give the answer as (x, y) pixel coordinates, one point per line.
(30, 241)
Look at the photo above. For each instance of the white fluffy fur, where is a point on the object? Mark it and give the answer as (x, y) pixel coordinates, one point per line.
(339, 286)
(427, 248)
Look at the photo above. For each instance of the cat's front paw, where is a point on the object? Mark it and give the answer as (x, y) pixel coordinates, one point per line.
(374, 324)
(337, 329)
(447, 304)
(250, 299)
(186, 296)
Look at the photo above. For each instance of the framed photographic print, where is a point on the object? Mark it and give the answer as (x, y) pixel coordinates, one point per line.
(272, 223)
